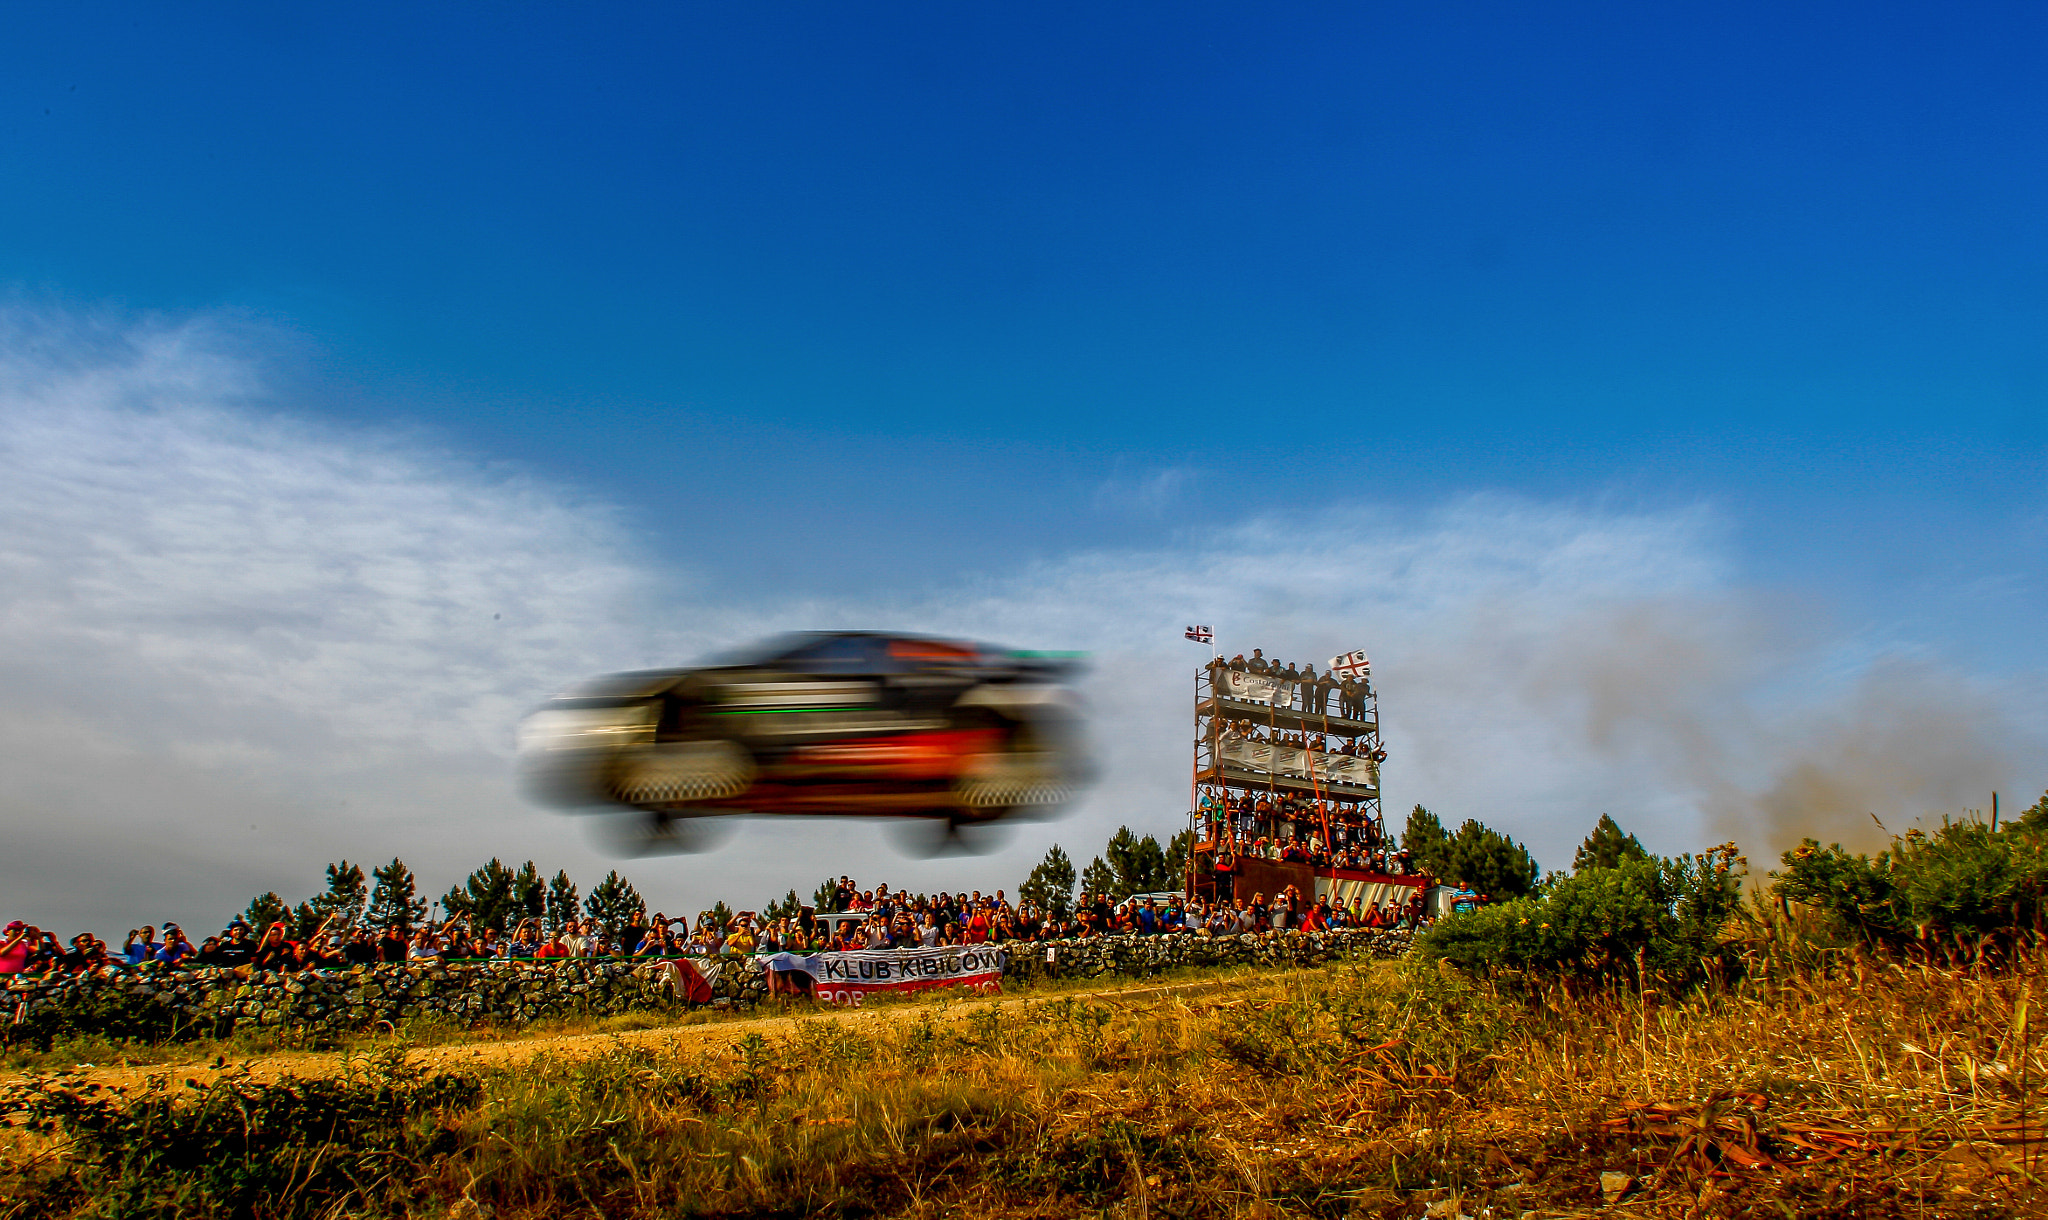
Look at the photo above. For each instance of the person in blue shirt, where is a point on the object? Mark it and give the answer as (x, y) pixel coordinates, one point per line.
(141, 946)
(176, 948)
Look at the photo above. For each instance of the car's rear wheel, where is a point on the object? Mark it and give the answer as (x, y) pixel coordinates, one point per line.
(682, 773)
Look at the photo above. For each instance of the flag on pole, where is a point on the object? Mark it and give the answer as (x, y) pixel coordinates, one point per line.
(1201, 635)
(1350, 665)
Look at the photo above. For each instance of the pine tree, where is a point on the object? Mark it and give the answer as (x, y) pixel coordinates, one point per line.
(1050, 887)
(392, 902)
(825, 899)
(561, 902)
(1178, 850)
(612, 903)
(786, 907)
(529, 895)
(1138, 864)
(1489, 862)
(486, 899)
(1097, 879)
(303, 921)
(264, 910)
(344, 897)
(1426, 842)
(721, 914)
(1607, 847)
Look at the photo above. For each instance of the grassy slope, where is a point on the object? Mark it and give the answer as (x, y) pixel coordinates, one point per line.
(1851, 1089)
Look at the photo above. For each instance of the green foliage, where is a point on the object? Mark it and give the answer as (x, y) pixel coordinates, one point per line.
(1489, 862)
(1097, 878)
(344, 898)
(1178, 850)
(789, 906)
(2037, 817)
(1482, 858)
(1139, 864)
(1965, 878)
(1426, 841)
(561, 902)
(303, 921)
(529, 895)
(489, 898)
(393, 903)
(235, 1146)
(721, 913)
(1607, 847)
(1050, 887)
(1598, 922)
(264, 910)
(612, 903)
(825, 899)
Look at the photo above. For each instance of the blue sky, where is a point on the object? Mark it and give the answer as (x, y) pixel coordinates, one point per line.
(861, 308)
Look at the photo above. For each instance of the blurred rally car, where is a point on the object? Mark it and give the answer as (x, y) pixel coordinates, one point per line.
(818, 723)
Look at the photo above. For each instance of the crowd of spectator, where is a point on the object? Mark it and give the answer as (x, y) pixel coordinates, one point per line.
(876, 918)
(1296, 829)
(1310, 693)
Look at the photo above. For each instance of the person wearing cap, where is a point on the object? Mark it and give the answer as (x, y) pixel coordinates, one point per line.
(176, 948)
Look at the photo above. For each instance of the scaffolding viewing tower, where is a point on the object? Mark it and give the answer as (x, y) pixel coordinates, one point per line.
(1287, 783)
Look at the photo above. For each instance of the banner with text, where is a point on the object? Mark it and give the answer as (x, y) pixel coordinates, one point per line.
(1368, 891)
(1256, 688)
(844, 978)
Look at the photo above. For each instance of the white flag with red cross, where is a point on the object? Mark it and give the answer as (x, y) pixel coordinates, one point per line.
(1350, 665)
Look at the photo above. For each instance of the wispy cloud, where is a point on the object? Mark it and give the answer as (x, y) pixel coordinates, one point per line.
(236, 643)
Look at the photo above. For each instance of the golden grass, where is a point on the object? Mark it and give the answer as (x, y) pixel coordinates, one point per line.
(1841, 1086)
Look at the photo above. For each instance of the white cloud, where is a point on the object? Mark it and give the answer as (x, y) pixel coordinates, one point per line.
(235, 644)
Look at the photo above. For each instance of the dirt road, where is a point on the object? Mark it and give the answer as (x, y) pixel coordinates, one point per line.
(699, 1037)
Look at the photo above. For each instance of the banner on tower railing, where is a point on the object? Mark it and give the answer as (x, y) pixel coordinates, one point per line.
(845, 978)
(1252, 754)
(1255, 688)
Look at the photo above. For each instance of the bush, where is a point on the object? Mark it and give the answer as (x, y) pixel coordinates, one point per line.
(236, 1146)
(1964, 879)
(1600, 922)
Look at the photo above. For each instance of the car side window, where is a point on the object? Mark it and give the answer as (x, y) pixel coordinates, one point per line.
(842, 655)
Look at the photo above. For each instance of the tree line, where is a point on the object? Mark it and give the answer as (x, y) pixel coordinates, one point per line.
(495, 896)
(500, 897)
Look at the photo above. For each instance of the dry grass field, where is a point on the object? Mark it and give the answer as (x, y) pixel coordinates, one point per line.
(1822, 1085)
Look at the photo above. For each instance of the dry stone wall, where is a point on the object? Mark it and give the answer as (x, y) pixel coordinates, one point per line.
(154, 1003)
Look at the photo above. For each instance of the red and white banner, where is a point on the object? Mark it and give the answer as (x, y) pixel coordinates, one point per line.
(1368, 889)
(844, 978)
(689, 979)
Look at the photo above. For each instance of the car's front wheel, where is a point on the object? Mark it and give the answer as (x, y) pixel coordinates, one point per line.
(682, 773)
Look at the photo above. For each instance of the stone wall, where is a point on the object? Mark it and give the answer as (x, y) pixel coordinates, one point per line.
(154, 1003)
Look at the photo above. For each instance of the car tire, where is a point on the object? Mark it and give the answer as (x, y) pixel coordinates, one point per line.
(1016, 778)
(683, 773)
